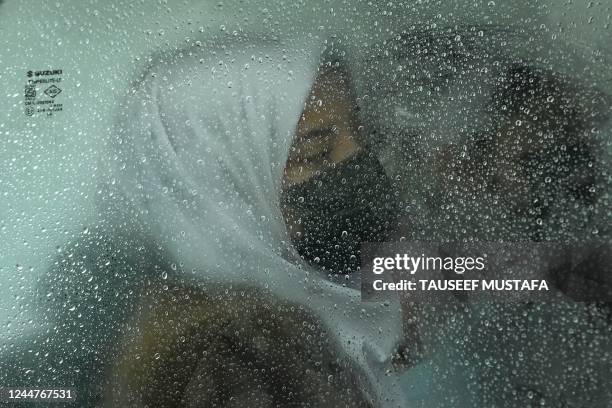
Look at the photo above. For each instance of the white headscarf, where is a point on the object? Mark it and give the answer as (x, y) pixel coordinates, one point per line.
(199, 159)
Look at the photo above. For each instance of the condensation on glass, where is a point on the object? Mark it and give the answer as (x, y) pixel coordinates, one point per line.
(185, 187)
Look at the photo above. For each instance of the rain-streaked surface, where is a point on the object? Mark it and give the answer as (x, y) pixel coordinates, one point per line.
(135, 283)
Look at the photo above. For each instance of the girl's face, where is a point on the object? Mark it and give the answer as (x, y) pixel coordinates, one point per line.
(326, 133)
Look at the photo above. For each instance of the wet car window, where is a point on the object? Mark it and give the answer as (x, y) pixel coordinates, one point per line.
(314, 204)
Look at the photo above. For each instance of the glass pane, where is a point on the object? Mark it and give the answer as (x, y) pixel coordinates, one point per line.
(190, 192)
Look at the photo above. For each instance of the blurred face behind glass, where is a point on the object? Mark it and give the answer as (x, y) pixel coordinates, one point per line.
(336, 194)
(327, 129)
(538, 159)
(326, 134)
